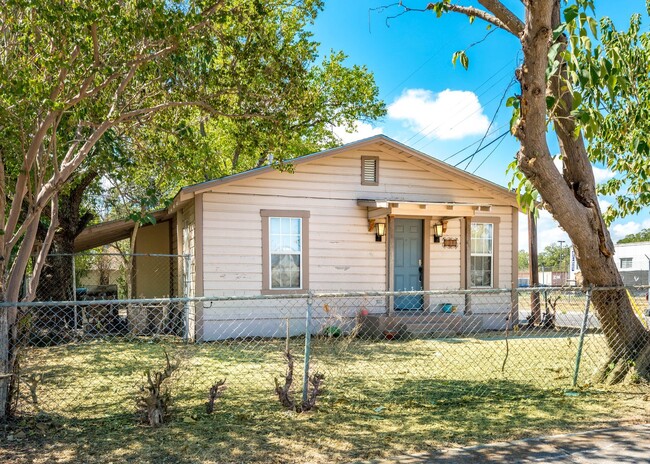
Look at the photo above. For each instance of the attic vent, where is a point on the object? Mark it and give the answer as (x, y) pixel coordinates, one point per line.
(369, 170)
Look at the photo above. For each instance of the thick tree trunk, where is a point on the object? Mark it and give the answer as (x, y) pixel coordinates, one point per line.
(56, 280)
(571, 196)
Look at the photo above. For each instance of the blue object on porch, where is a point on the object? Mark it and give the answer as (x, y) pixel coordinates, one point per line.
(447, 308)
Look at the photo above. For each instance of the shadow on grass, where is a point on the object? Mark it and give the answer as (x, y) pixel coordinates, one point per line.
(355, 421)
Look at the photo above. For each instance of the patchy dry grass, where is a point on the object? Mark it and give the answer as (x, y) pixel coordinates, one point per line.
(382, 398)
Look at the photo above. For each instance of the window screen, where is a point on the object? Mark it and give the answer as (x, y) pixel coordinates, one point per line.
(285, 235)
(481, 255)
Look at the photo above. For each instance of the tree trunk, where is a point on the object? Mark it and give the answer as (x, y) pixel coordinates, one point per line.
(571, 196)
(56, 280)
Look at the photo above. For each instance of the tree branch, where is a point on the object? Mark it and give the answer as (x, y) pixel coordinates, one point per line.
(21, 183)
(498, 9)
(470, 11)
(45, 248)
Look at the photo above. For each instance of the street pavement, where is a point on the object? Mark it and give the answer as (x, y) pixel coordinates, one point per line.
(630, 444)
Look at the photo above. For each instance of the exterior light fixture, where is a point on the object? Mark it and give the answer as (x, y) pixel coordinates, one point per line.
(380, 231)
(437, 232)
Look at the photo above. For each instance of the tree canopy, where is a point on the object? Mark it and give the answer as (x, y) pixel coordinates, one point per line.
(75, 73)
(643, 236)
(555, 257)
(80, 80)
(562, 68)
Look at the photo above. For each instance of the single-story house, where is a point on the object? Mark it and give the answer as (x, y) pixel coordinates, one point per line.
(372, 215)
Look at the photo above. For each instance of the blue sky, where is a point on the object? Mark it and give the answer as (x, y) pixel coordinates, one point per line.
(441, 109)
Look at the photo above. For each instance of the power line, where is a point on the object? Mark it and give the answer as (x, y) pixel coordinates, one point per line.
(483, 147)
(424, 132)
(503, 96)
(453, 155)
(488, 155)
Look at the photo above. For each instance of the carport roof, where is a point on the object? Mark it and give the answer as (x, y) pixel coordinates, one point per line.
(111, 231)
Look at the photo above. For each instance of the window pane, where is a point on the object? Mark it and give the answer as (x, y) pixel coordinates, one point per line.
(285, 241)
(481, 271)
(285, 225)
(481, 241)
(276, 243)
(275, 225)
(295, 226)
(285, 271)
(295, 244)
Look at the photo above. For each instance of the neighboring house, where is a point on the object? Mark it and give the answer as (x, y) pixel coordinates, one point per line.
(373, 215)
(632, 261)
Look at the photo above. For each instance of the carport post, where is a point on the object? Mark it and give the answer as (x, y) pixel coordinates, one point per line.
(305, 375)
(583, 329)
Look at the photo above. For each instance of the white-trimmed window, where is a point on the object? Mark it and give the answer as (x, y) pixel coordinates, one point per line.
(482, 255)
(285, 251)
(626, 263)
(285, 236)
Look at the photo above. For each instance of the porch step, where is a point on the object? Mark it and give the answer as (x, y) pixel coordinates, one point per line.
(431, 329)
(466, 324)
(425, 324)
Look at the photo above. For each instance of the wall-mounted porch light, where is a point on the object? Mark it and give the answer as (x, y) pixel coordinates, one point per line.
(378, 226)
(439, 229)
(380, 231)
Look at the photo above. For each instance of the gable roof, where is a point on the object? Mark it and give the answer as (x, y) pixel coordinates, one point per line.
(401, 149)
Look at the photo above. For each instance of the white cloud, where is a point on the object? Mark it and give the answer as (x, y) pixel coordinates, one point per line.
(548, 232)
(602, 175)
(620, 230)
(362, 130)
(448, 115)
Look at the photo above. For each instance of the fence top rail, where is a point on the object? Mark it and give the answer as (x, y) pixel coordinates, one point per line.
(153, 255)
(313, 294)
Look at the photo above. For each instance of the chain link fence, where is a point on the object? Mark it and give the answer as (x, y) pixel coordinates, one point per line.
(112, 275)
(90, 358)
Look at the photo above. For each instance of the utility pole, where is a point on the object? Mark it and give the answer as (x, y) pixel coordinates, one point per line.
(561, 242)
(535, 311)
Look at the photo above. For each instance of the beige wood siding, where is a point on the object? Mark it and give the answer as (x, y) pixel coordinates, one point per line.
(152, 273)
(186, 247)
(343, 253)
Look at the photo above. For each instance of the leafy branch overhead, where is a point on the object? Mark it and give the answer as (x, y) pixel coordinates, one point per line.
(584, 80)
(85, 86)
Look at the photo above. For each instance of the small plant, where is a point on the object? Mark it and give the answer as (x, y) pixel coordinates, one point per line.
(286, 394)
(156, 398)
(216, 391)
(33, 381)
(548, 319)
(331, 331)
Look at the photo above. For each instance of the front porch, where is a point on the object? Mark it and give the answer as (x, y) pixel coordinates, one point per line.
(400, 324)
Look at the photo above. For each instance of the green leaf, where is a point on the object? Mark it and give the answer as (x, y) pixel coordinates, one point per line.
(550, 102)
(571, 13)
(462, 57)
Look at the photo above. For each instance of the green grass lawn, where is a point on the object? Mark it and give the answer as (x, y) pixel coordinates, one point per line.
(382, 398)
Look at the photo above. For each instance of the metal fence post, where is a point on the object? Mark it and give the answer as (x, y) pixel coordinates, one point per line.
(74, 291)
(581, 342)
(186, 290)
(305, 376)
